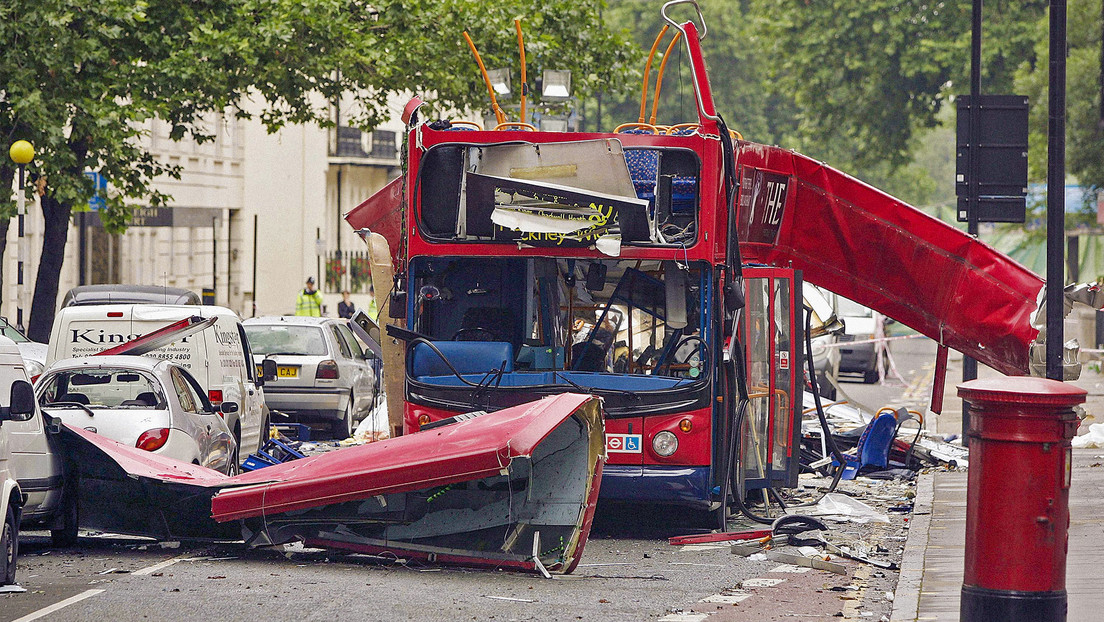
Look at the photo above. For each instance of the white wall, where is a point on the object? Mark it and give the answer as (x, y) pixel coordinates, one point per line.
(287, 180)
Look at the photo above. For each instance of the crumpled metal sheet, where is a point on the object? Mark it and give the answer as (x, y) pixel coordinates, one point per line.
(123, 489)
(476, 492)
(866, 245)
(382, 213)
(516, 488)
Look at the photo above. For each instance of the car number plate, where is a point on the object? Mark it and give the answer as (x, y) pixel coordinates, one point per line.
(287, 371)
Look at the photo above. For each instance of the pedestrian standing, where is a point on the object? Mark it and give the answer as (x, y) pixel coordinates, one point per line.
(309, 301)
(345, 308)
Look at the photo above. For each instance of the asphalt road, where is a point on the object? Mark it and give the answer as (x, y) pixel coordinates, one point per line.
(628, 572)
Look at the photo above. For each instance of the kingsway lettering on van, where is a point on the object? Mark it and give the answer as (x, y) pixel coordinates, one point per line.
(100, 336)
(227, 337)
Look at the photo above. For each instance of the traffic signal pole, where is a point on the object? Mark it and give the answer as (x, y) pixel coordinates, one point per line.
(1056, 190)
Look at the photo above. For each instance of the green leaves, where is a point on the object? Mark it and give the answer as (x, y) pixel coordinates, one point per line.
(80, 80)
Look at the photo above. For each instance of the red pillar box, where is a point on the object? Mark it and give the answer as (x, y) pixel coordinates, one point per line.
(1017, 498)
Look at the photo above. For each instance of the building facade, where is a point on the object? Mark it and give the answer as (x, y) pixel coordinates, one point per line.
(251, 217)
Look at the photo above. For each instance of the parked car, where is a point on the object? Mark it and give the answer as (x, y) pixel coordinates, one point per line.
(34, 353)
(142, 402)
(123, 294)
(218, 357)
(322, 373)
(824, 329)
(33, 486)
(859, 325)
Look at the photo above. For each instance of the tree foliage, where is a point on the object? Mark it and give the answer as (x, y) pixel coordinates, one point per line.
(1084, 130)
(81, 81)
(867, 76)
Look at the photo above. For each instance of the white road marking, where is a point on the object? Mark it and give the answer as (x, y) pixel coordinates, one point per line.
(705, 547)
(158, 566)
(45, 611)
(761, 582)
(726, 599)
(790, 568)
(684, 617)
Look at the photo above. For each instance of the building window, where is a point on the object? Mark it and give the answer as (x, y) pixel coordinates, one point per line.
(383, 144)
(348, 142)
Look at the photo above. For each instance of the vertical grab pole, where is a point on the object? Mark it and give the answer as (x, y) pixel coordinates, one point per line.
(524, 85)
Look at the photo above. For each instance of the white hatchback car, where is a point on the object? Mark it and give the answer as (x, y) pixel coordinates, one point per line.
(142, 402)
(322, 372)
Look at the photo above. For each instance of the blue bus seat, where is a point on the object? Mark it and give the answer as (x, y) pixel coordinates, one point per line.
(873, 448)
(643, 167)
(468, 357)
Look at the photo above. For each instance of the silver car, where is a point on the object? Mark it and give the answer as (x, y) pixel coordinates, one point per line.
(322, 371)
(142, 402)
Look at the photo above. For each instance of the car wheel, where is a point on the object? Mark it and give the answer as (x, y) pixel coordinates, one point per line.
(9, 543)
(66, 535)
(266, 427)
(870, 376)
(343, 429)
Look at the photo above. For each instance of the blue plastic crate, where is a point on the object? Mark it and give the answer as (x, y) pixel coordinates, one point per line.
(294, 431)
(273, 452)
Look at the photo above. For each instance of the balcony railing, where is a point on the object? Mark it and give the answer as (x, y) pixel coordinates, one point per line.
(379, 144)
(351, 270)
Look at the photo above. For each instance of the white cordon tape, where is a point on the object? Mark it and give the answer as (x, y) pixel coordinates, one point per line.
(845, 344)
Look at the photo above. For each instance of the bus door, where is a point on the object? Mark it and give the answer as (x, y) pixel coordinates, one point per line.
(772, 334)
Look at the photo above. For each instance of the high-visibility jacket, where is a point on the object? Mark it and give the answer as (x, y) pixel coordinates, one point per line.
(309, 303)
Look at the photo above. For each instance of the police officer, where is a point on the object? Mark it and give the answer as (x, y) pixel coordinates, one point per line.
(309, 301)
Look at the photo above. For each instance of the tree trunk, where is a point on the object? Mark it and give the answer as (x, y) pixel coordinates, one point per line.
(54, 236)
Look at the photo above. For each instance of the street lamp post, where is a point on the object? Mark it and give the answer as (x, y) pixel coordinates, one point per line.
(21, 152)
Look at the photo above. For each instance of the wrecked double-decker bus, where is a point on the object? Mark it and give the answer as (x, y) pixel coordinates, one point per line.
(535, 263)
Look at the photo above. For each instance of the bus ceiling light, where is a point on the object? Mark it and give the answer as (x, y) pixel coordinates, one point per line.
(556, 85)
(686, 425)
(500, 80)
(664, 443)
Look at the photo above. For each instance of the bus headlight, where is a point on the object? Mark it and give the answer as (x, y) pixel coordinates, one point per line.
(664, 443)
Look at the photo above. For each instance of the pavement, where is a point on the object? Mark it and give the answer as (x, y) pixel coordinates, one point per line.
(930, 582)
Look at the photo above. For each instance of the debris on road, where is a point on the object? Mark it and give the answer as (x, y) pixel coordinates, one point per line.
(1093, 439)
(841, 508)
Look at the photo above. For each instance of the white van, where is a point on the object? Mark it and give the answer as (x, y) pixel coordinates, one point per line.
(25, 457)
(218, 357)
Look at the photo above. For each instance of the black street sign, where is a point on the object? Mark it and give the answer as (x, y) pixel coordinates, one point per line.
(1001, 178)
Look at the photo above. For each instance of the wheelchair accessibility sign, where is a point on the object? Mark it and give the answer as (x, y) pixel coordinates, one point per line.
(623, 443)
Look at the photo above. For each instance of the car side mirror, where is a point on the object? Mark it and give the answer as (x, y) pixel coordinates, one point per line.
(228, 408)
(22, 402)
(396, 308)
(596, 277)
(268, 370)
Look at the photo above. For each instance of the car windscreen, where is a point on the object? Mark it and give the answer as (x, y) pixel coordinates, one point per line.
(104, 387)
(276, 339)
